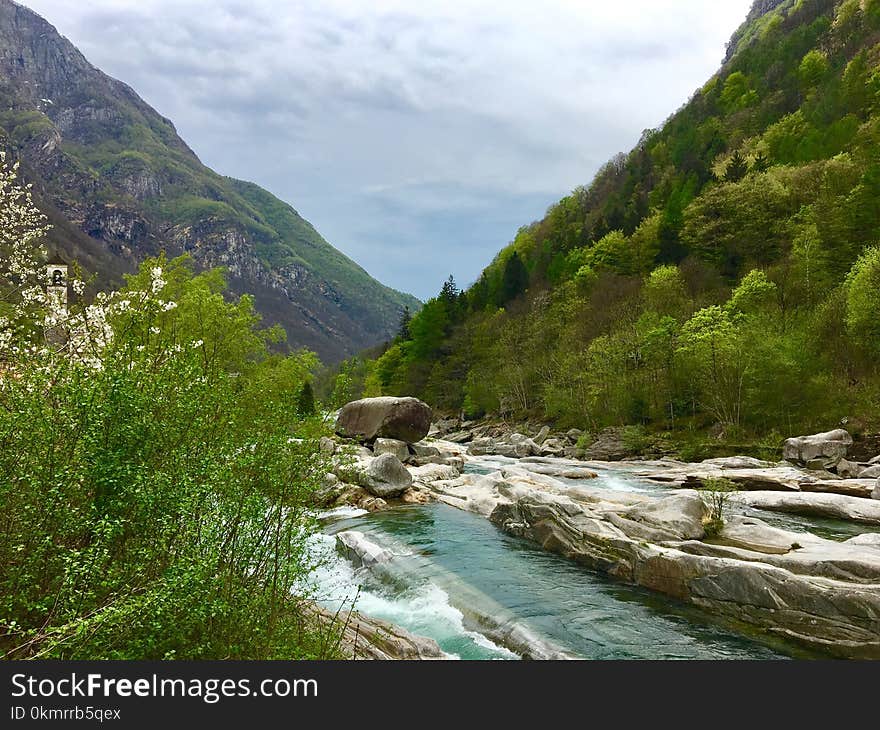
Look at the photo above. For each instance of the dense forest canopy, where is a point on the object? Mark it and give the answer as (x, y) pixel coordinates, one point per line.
(725, 271)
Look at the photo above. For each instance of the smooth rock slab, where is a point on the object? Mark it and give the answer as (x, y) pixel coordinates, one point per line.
(835, 506)
(838, 616)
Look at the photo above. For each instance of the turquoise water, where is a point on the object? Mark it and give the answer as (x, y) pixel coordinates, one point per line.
(455, 577)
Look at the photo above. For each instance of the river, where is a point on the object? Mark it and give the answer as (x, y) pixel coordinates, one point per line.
(483, 594)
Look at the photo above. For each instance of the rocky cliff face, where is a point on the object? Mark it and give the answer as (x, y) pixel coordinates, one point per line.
(119, 185)
(759, 9)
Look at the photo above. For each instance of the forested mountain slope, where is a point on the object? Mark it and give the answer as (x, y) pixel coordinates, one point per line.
(120, 185)
(725, 271)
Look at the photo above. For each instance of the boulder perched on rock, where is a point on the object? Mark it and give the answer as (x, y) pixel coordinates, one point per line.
(386, 476)
(830, 447)
(404, 419)
(391, 446)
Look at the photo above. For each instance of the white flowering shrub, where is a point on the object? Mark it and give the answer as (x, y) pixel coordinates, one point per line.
(154, 503)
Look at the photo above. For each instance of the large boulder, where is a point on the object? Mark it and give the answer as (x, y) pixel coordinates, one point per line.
(386, 476)
(829, 447)
(404, 419)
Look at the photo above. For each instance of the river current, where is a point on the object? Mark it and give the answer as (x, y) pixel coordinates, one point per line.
(455, 577)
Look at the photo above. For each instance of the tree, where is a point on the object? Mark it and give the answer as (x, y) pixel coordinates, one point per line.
(514, 280)
(753, 294)
(403, 332)
(305, 401)
(711, 342)
(761, 163)
(449, 292)
(813, 68)
(665, 291)
(737, 168)
(862, 301)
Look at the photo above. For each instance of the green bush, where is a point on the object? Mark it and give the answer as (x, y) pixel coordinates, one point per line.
(155, 500)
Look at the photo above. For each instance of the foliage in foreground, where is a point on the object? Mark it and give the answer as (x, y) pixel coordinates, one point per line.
(152, 496)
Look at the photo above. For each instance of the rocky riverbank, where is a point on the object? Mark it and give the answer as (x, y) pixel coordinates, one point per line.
(820, 592)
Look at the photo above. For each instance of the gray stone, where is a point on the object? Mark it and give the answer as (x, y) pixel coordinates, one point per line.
(737, 462)
(810, 504)
(542, 435)
(876, 493)
(391, 446)
(423, 449)
(553, 447)
(363, 637)
(849, 469)
(327, 445)
(573, 434)
(849, 487)
(753, 534)
(681, 514)
(405, 419)
(386, 476)
(527, 447)
(868, 539)
(830, 446)
(870, 472)
(608, 446)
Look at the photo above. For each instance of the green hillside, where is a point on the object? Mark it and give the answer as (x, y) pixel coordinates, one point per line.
(722, 274)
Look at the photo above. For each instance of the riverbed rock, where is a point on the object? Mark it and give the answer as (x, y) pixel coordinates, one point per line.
(737, 462)
(867, 539)
(870, 472)
(404, 419)
(840, 614)
(363, 637)
(359, 551)
(434, 473)
(608, 446)
(830, 446)
(424, 449)
(849, 487)
(849, 469)
(327, 445)
(681, 514)
(391, 446)
(553, 447)
(875, 494)
(542, 435)
(386, 476)
(834, 506)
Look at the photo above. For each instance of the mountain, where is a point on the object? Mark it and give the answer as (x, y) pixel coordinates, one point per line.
(724, 275)
(119, 184)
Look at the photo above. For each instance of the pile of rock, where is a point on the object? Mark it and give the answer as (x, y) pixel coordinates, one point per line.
(378, 438)
(827, 452)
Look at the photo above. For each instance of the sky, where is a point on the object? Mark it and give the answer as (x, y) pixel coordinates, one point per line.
(416, 135)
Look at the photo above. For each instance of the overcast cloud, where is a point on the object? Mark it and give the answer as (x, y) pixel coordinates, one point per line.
(417, 136)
